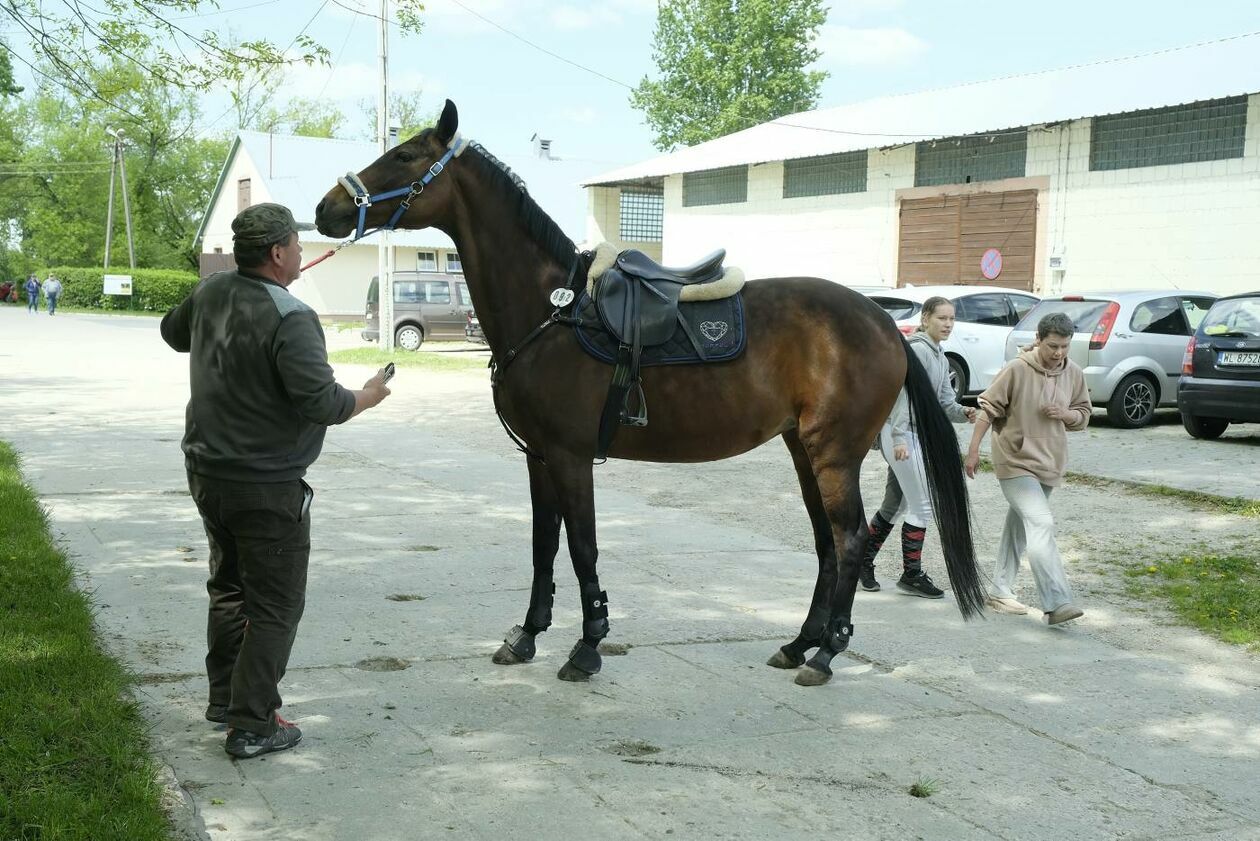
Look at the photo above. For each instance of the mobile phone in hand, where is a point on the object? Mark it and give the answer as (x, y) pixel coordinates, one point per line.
(389, 373)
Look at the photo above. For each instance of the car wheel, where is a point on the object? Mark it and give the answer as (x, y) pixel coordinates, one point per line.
(1206, 428)
(1133, 403)
(957, 375)
(408, 337)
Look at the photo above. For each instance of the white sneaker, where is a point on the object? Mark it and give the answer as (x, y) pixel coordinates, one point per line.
(1012, 607)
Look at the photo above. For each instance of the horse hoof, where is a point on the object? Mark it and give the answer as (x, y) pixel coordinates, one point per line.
(505, 656)
(782, 660)
(809, 676)
(572, 673)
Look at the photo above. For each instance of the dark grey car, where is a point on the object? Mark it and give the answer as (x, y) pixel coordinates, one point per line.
(1220, 377)
(427, 306)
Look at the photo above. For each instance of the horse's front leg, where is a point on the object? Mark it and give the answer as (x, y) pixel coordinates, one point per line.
(518, 647)
(574, 483)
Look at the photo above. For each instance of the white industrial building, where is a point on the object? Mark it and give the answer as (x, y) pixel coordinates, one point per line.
(1139, 172)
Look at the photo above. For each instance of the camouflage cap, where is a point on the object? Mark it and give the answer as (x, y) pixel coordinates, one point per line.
(264, 224)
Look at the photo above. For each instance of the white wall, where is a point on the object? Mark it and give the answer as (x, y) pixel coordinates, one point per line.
(1192, 226)
(849, 238)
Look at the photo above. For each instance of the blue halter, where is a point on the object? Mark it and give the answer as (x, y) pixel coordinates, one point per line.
(363, 199)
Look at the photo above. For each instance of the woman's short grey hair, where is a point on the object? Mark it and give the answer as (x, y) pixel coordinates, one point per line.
(1057, 323)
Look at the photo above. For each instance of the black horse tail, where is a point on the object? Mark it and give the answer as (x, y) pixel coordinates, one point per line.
(943, 465)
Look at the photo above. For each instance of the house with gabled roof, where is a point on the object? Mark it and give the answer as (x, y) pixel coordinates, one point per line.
(298, 171)
(1135, 172)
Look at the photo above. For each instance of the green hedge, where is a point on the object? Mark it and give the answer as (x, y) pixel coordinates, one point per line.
(151, 289)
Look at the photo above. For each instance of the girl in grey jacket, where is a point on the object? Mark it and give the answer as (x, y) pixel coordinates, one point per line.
(906, 487)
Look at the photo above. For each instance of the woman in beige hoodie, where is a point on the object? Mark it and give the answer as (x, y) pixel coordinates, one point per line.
(1032, 404)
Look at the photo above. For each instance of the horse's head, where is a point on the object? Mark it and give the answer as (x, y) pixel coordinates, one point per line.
(406, 179)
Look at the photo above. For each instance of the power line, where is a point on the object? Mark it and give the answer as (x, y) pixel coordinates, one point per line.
(477, 14)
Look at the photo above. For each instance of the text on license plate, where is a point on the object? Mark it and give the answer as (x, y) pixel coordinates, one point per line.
(1240, 357)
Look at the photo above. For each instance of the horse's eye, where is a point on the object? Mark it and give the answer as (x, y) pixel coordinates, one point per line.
(404, 156)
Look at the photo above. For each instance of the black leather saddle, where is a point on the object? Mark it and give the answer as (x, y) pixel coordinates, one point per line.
(638, 302)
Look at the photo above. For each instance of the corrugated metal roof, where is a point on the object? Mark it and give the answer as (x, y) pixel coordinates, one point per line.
(298, 171)
(1171, 77)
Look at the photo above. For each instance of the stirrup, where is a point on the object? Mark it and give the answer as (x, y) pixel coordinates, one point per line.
(640, 418)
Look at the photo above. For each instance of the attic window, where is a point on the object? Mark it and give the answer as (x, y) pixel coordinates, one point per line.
(242, 195)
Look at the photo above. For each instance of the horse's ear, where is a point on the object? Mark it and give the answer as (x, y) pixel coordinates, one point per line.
(448, 123)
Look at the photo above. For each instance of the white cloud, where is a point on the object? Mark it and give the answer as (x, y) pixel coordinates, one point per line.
(582, 116)
(880, 46)
(348, 81)
(574, 17)
(852, 9)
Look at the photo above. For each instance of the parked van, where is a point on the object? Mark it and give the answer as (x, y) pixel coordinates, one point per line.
(427, 306)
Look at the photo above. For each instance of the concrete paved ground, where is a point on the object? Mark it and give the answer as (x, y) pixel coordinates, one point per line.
(1121, 726)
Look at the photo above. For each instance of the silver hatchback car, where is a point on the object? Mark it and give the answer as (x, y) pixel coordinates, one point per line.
(1130, 345)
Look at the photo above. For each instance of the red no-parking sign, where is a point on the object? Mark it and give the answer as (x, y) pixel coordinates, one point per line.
(991, 264)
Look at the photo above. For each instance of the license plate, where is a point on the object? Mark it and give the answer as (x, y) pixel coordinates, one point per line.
(1240, 357)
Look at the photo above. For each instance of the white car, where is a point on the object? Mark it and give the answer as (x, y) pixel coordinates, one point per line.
(985, 315)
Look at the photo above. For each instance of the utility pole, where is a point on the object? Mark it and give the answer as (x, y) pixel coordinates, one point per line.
(119, 165)
(384, 250)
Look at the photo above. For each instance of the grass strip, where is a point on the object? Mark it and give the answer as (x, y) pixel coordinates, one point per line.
(429, 361)
(1218, 594)
(74, 761)
(1236, 505)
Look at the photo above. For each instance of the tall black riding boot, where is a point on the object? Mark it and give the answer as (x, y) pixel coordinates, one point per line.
(879, 530)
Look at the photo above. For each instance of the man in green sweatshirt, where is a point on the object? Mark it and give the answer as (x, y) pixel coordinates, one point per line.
(263, 396)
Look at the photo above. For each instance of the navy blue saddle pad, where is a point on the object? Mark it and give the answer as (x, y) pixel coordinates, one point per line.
(718, 325)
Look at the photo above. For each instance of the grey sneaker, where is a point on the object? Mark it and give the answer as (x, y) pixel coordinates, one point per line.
(919, 585)
(246, 745)
(1064, 613)
(217, 713)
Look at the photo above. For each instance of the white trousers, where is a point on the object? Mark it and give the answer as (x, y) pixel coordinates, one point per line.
(1030, 526)
(912, 478)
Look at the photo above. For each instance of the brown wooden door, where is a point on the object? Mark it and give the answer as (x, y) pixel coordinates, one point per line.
(942, 239)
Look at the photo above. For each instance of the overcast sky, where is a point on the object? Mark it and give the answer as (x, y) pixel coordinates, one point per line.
(507, 89)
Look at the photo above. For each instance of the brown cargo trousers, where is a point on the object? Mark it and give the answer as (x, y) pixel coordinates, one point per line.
(260, 544)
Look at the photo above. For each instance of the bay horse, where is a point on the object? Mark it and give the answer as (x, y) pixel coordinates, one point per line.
(821, 369)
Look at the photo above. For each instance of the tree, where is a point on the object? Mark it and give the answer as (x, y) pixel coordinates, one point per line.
(7, 88)
(727, 65)
(153, 35)
(55, 188)
(305, 117)
(405, 111)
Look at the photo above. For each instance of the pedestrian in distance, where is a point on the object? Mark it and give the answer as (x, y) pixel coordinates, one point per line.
(1032, 404)
(32, 293)
(52, 291)
(263, 395)
(906, 485)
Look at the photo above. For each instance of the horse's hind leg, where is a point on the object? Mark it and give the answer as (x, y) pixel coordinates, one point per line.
(793, 654)
(837, 470)
(575, 488)
(519, 645)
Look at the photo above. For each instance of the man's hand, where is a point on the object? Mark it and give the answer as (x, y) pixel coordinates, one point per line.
(970, 413)
(372, 393)
(1054, 411)
(901, 452)
(971, 463)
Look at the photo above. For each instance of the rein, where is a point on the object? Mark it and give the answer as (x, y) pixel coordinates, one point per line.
(560, 298)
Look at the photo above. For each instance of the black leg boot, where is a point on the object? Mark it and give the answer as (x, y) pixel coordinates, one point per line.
(879, 530)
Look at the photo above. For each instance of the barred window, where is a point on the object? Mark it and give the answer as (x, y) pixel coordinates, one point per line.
(642, 213)
(1204, 131)
(715, 186)
(825, 176)
(962, 160)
